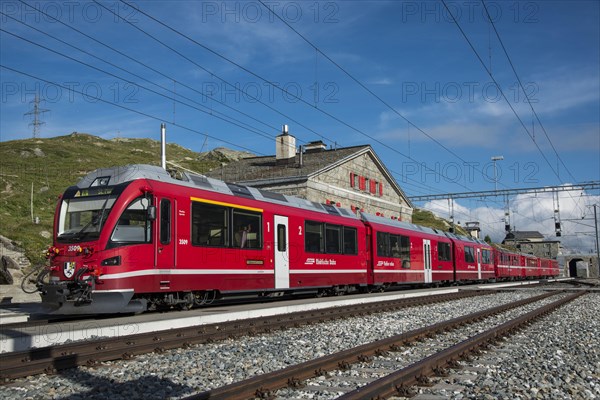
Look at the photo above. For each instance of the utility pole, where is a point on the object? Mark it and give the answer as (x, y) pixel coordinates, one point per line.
(494, 159)
(597, 247)
(36, 112)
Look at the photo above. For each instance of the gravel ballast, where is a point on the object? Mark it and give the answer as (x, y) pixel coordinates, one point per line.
(182, 372)
(557, 357)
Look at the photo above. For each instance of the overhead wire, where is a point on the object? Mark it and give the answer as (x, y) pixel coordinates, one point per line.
(122, 106)
(411, 158)
(500, 89)
(357, 81)
(524, 91)
(223, 117)
(267, 81)
(159, 72)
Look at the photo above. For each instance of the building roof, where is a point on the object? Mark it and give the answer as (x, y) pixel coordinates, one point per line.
(523, 235)
(266, 171)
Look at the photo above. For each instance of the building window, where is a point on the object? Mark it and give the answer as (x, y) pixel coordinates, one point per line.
(373, 186)
(362, 183)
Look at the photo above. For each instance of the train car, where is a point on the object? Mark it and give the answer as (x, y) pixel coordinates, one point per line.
(549, 268)
(509, 265)
(473, 259)
(404, 253)
(135, 238)
(554, 268)
(531, 266)
(502, 266)
(132, 238)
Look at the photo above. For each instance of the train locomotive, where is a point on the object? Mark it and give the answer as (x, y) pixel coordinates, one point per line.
(135, 238)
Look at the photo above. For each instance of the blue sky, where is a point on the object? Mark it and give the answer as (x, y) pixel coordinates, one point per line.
(440, 119)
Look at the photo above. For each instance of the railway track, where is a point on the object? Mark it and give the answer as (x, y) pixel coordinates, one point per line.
(378, 375)
(49, 360)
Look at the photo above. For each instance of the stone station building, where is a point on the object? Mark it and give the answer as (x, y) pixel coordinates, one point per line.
(349, 177)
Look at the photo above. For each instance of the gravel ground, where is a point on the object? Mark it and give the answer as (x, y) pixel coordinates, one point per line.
(182, 372)
(557, 357)
(325, 389)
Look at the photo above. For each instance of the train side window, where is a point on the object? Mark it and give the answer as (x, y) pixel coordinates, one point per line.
(485, 255)
(444, 253)
(469, 254)
(383, 244)
(350, 242)
(210, 225)
(165, 221)
(281, 238)
(401, 247)
(133, 225)
(333, 239)
(313, 237)
(248, 230)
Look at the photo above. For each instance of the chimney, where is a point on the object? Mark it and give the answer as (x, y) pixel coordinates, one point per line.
(285, 147)
(163, 146)
(315, 147)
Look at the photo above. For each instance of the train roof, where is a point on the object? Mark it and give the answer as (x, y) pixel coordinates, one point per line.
(122, 174)
(467, 239)
(400, 224)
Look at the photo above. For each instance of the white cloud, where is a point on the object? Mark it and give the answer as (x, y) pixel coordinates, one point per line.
(381, 81)
(529, 212)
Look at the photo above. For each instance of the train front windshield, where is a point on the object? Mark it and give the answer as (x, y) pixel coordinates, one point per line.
(81, 219)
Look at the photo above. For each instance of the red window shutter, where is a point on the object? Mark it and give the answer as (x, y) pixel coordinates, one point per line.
(381, 188)
(373, 186)
(352, 179)
(362, 183)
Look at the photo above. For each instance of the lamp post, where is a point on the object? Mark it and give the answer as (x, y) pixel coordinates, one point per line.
(494, 159)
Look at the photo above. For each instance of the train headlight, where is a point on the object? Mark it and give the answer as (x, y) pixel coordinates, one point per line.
(111, 262)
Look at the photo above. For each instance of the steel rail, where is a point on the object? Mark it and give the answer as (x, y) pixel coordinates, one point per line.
(399, 383)
(262, 386)
(51, 359)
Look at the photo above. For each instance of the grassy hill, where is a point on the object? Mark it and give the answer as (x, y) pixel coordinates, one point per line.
(51, 165)
(427, 218)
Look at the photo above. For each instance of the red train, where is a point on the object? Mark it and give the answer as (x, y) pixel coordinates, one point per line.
(133, 238)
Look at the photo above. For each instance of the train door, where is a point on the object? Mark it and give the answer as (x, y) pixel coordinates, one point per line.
(478, 263)
(427, 260)
(165, 243)
(282, 253)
